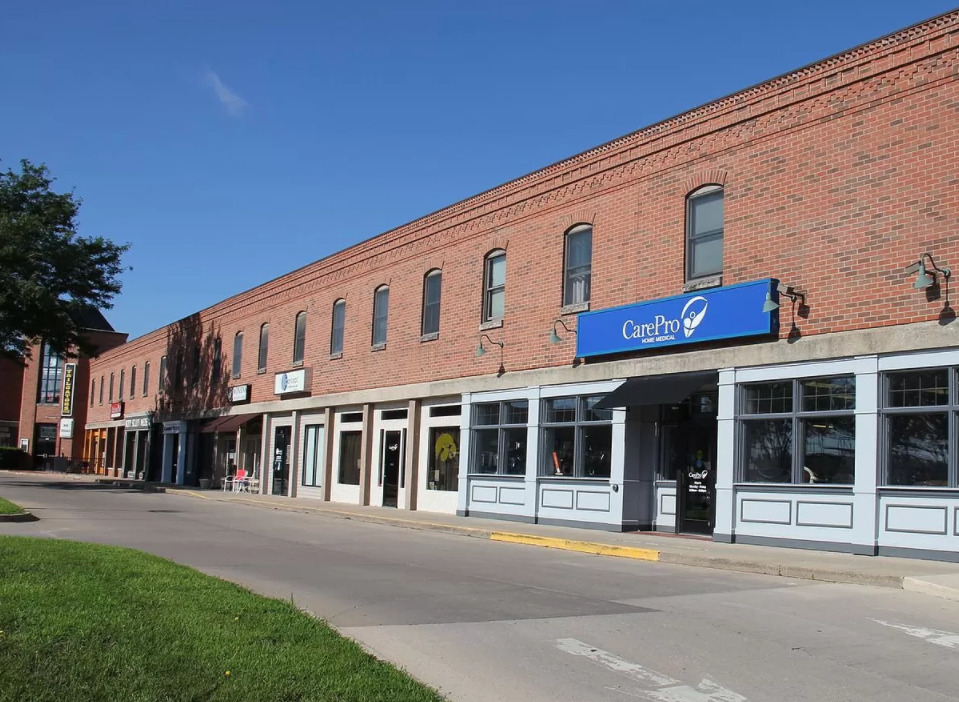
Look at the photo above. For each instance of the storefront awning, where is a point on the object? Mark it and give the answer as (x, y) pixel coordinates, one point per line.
(656, 389)
(227, 424)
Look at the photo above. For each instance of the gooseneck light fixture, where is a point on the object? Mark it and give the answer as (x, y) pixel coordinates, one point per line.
(555, 338)
(481, 351)
(787, 291)
(924, 277)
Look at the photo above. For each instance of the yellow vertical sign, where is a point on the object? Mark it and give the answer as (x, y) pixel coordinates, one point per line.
(66, 398)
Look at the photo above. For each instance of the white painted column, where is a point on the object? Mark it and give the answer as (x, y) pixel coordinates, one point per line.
(865, 532)
(294, 453)
(465, 448)
(725, 528)
(617, 468)
(530, 481)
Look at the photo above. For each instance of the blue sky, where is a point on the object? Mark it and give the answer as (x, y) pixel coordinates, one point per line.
(232, 142)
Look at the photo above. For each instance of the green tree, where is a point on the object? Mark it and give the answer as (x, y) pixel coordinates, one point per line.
(49, 276)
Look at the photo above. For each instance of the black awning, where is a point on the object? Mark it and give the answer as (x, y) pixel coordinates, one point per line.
(227, 423)
(656, 389)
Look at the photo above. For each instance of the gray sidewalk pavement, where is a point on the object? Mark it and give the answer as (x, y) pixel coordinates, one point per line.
(936, 578)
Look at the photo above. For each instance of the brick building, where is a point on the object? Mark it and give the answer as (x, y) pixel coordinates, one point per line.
(51, 402)
(736, 321)
(11, 388)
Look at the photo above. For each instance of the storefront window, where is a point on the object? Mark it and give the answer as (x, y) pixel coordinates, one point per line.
(312, 474)
(499, 437)
(799, 431)
(919, 408)
(577, 438)
(350, 457)
(444, 459)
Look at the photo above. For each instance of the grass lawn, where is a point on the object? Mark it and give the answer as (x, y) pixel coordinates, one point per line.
(7, 507)
(85, 622)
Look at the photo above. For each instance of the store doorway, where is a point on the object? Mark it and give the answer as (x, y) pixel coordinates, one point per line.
(689, 454)
(391, 463)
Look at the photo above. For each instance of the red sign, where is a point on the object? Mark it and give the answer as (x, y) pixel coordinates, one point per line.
(116, 410)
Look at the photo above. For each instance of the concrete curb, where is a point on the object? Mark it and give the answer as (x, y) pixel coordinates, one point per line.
(20, 517)
(930, 586)
(131, 484)
(639, 554)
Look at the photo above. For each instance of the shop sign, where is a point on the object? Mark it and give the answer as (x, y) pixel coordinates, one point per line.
(137, 422)
(172, 427)
(69, 382)
(291, 382)
(66, 428)
(239, 394)
(707, 315)
(116, 410)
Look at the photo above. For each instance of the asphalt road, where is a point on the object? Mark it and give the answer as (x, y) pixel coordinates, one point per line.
(482, 620)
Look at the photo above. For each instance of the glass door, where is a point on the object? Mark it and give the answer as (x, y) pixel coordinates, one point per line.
(391, 460)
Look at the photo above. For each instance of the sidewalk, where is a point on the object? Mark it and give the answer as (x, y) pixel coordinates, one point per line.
(924, 576)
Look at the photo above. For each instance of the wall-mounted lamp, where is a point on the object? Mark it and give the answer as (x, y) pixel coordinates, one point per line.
(925, 278)
(480, 350)
(555, 338)
(786, 290)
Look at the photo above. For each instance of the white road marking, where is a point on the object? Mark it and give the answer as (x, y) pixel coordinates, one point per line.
(668, 689)
(604, 658)
(936, 636)
(706, 691)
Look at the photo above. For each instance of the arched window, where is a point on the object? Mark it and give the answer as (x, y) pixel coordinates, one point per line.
(238, 354)
(336, 333)
(704, 232)
(432, 292)
(264, 348)
(579, 264)
(494, 286)
(299, 338)
(381, 313)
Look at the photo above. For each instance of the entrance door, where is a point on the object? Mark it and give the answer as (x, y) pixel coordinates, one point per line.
(689, 457)
(391, 461)
(697, 480)
(281, 460)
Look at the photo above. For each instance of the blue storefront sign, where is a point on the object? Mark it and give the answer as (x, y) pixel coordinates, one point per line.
(720, 313)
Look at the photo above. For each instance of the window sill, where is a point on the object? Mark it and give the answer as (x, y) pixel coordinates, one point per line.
(491, 324)
(709, 281)
(575, 309)
(378, 347)
(430, 337)
(792, 487)
(235, 377)
(573, 478)
(494, 476)
(336, 356)
(297, 364)
(261, 371)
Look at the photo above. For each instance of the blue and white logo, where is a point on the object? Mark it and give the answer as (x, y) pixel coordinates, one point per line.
(720, 313)
(284, 382)
(693, 314)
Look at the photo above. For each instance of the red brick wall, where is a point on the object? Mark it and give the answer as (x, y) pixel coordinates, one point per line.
(836, 177)
(31, 413)
(11, 386)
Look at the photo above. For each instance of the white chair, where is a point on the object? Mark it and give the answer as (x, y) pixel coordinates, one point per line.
(233, 483)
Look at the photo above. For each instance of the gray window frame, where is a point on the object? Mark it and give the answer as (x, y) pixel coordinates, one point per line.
(692, 238)
(546, 467)
(263, 350)
(570, 274)
(299, 338)
(161, 376)
(502, 426)
(951, 410)
(133, 381)
(110, 394)
(796, 415)
(489, 289)
(338, 327)
(120, 388)
(381, 316)
(146, 378)
(431, 309)
(237, 354)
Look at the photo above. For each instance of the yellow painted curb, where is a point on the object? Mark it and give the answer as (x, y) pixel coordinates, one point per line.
(640, 554)
(194, 494)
